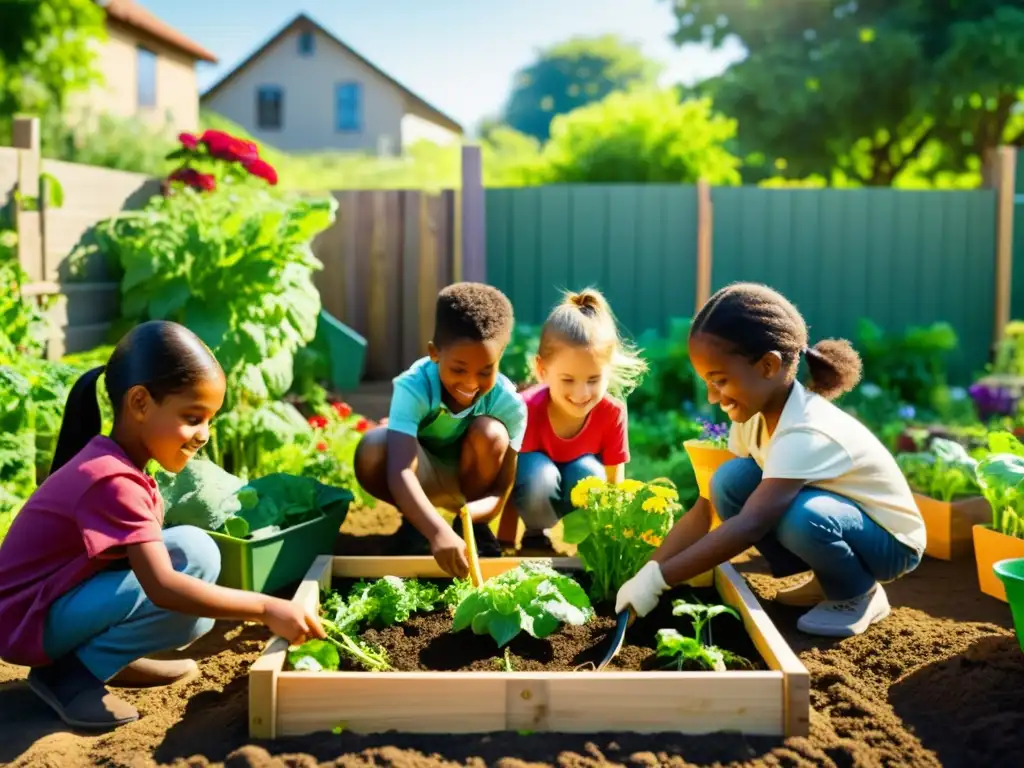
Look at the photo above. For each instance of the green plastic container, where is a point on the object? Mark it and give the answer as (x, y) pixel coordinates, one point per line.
(268, 564)
(1011, 573)
(345, 351)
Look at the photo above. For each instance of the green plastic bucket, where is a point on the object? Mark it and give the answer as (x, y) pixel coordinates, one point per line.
(1011, 573)
(266, 565)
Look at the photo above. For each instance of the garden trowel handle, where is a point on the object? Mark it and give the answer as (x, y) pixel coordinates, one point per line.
(476, 577)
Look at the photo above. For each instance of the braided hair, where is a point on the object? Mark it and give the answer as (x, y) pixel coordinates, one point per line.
(755, 320)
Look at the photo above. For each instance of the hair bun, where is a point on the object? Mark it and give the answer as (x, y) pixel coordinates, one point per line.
(586, 301)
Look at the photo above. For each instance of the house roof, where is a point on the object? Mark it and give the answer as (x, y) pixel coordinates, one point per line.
(134, 15)
(304, 21)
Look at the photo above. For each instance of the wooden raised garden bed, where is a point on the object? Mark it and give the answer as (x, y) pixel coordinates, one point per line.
(770, 700)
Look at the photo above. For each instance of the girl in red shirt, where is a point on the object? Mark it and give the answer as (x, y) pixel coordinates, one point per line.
(574, 428)
(90, 583)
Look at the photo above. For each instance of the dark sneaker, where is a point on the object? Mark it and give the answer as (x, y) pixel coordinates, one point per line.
(408, 541)
(487, 544)
(536, 544)
(78, 697)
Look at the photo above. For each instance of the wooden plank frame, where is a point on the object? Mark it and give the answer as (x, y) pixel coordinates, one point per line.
(282, 703)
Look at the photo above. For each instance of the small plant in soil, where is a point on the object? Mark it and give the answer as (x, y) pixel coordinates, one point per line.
(944, 472)
(1001, 477)
(616, 527)
(533, 598)
(683, 651)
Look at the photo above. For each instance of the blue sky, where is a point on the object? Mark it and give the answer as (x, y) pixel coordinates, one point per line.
(459, 55)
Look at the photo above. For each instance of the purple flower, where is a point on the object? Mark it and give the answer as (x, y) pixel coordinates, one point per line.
(992, 401)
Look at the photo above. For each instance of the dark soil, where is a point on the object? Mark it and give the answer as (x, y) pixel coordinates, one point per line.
(938, 683)
(426, 642)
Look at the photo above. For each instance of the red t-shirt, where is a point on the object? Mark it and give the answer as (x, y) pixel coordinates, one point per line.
(604, 433)
(82, 517)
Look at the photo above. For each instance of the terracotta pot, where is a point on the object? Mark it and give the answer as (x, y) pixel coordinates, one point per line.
(989, 548)
(949, 524)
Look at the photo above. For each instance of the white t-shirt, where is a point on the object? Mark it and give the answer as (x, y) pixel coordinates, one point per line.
(819, 442)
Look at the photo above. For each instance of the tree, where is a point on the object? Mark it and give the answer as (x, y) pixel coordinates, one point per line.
(643, 136)
(47, 51)
(864, 87)
(572, 74)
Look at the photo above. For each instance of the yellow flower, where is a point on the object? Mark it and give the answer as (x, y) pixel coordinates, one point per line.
(664, 492)
(650, 538)
(628, 533)
(580, 495)
(630, 486)
(655, 504)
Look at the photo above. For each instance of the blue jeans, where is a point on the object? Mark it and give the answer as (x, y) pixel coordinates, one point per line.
(820, 532)
(542, 488)
(108, 621)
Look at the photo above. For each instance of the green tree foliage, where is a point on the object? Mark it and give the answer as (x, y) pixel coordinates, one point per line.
(572, 74)
(643, 136)
(47, 51)
(865, 87)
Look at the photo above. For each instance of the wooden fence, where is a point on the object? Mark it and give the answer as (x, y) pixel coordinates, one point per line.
(88, 301)
(897, 257)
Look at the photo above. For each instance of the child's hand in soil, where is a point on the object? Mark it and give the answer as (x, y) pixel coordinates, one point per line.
(449, 550)
(291, 621)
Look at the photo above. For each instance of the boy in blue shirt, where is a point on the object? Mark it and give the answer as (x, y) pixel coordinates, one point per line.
(454, 430)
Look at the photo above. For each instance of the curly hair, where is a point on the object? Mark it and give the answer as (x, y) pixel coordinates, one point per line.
(755, 320)
(471, 312)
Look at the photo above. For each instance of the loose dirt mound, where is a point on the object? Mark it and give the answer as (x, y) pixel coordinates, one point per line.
(940, 682)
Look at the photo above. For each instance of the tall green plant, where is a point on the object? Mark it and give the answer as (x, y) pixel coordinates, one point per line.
(235, 266)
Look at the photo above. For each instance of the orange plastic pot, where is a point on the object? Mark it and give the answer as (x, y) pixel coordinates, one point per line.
(949, 525)
(989, 548)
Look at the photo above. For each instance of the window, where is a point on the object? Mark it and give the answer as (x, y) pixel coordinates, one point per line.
(269, 107)
(348, 107)
(145, 63)
(307, 43)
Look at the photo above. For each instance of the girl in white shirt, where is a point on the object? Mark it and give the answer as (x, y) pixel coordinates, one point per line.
(812, 488)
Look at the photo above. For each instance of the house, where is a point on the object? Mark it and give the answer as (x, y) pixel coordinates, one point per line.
(304, 90)
(149, 70)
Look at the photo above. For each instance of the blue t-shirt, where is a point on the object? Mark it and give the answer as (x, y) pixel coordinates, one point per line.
(418, 411)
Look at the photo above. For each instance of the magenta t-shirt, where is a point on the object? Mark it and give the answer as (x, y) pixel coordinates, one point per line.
(604, 433)
(82, 517)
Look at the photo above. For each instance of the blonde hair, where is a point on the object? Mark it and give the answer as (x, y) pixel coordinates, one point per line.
(584, 319)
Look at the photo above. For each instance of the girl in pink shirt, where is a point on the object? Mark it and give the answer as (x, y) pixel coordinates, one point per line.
(574, 428)
(90, 583)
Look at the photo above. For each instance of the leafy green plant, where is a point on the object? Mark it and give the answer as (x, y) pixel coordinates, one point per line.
(945, 471)
(616, 527)
(682, 650)
(235, 267)
(325, 655)
(385, 602)
(670, 381)
(22, 321)
(517, 361)
(533, 598)
(1001, 477)
(910, 365)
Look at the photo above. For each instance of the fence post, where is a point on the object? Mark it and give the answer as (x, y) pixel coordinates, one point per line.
(705, 225)
(1003, 181)
(472, 238)
(27, 216)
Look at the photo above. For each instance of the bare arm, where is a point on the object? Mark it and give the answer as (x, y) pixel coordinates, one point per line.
(615, 473)
(688, 529)
(486, 509)
(405, 488)
(763, 509)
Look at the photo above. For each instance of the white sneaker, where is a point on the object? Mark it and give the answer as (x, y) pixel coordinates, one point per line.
(846, 618)
(803, 595)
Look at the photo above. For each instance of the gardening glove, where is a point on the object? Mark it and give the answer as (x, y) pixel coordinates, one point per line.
(642, 591)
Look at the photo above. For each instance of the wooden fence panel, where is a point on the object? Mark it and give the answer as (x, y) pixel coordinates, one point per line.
(385, 258)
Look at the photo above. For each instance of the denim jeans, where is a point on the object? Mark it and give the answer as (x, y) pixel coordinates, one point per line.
(542, 488)
(108, 621)
(820, 532)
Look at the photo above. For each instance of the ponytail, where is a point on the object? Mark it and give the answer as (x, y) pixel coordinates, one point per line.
(585, 319)
(82, 420)
(835, 367)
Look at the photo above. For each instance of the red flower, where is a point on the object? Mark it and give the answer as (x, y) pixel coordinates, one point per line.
(344, 410)
(224, 146)
(261, 169)
(321, 446)
(188, 140)
(363, 425)
(317, 421)
(190, 177)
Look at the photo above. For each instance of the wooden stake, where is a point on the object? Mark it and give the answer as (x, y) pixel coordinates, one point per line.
(1006, 163)
(705, 223)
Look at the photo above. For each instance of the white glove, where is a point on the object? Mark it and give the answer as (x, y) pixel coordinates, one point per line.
(642, 591)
